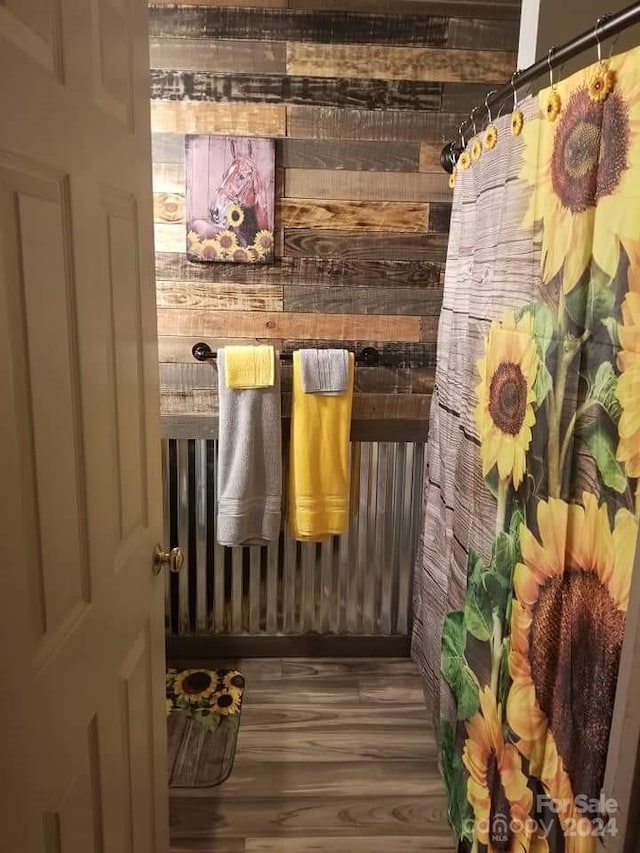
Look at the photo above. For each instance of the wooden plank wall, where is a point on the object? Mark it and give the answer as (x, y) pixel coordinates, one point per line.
(360, 95)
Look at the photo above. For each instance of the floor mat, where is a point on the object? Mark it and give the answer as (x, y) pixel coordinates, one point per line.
(203, 717)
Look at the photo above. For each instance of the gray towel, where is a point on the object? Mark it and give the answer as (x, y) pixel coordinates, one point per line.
(324, 371)
(249, 462)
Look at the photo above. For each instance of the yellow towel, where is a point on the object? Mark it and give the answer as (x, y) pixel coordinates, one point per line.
(249, 367)
(319, 460)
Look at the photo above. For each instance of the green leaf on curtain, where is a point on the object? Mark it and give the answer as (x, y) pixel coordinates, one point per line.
(611, 325)
(603, 450)
(453, 772)
(543, 320)
(492, 480)
(477, 604)
(592, 301)
(603, 390)
(543, 384)
(455, 667)
(504, 680)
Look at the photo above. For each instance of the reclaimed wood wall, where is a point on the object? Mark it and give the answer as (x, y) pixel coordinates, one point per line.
(361, 95)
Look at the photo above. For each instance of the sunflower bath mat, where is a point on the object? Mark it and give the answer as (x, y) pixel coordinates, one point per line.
(203, 716)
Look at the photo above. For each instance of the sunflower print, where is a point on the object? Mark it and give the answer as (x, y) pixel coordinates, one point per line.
(452, 180)
(582, 167)
(226, 702)
(601, 84)
(241, 255)
(497, 788)
(517, 122)
(233, 679)
(228, 242)
(210, 250)
(476, 150)
(263, 243)
(567, 624)
(491, 137)
(194, 685)
(628, 386)
(552, 106)
(464, 160)
(235, 216)
(506, 396)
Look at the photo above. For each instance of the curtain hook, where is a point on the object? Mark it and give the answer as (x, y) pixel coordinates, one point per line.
(596, 33)
(515, 74)
(486, 104)
(473, 121)
(461, 135)
(551, 51)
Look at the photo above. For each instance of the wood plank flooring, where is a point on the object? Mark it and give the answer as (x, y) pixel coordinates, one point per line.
(333, 756)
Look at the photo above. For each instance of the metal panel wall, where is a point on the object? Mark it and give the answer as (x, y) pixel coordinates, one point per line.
(355, 584)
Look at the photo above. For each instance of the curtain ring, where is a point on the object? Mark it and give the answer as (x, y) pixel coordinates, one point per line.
(486, 104)
(515, 74)
(551, 51)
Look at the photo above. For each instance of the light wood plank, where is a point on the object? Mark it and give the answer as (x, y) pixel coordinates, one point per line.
(301, 817)
(398, 63)
(168, 207)
(430, 157)
(304, 243)
(168, 177)
(329, 214)
(292, 747)
(370, 844)
(240, 119)
(215, 296)
(270, 325)
(354, 155)
(375, 125)
(330, 779)
(369, 186)
(240, 57)
(170, 236)
(390, 692)
(325, 719)
(409, 301)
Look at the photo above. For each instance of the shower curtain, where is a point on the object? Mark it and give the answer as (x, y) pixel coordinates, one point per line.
(533, 458)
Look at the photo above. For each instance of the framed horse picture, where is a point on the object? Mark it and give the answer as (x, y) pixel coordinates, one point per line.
(230, 199)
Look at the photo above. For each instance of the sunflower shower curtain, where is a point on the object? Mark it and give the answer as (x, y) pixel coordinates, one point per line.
(532, 493)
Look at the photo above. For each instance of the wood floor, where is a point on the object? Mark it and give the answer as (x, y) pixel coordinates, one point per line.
(334, 756)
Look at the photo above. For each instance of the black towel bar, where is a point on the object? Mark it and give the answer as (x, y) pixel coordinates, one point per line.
(369, 356)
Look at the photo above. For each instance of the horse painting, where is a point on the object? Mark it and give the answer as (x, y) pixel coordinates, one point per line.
(230, 199)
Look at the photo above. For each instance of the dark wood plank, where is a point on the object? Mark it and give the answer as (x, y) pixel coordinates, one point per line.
(241, 57)
(299, 817)
(278, 89)
(315, 272)
(357, 245)
(391, 125)
(483, 34)
(206, 426)
(353, 156)
(439, 217)
(503, 10)
(205, 845)
(463, 97)
(368, 61)
(328, 26)
(364, 300)
(366, 844)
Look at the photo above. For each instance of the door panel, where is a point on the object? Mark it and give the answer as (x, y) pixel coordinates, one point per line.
(81, 639)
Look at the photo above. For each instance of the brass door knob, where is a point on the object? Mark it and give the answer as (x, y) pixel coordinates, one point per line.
(172, 560)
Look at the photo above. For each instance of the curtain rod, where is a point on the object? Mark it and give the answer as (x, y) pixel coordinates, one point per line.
(605, 27)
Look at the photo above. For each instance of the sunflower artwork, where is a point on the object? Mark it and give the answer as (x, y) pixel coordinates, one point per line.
(530, 662)
(211, 697)
(230, 199)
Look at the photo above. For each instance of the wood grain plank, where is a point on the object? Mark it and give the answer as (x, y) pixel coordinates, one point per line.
(391, 125)
(430, 156)
(503, 10)
(439, 217)
(369, 186)
(240, 57)
(205, 845)
(241, 119)
(483, 34)
(402, 744)
(397, 63)
(215, 296)
(316, 272)
(168, 207)
(169, 236)
(168, 177)
(354, 156)
(376, 693)
(168, 149)
(370, 300)
(415, 360)
(317, 25)
(300, 817)
(378, 216)
(355, 244)
(368, 844)
(463, 97)
(377, 94)
(198, 322)
(330, 778)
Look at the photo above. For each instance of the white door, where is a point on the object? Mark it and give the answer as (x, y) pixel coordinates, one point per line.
(82, 727)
